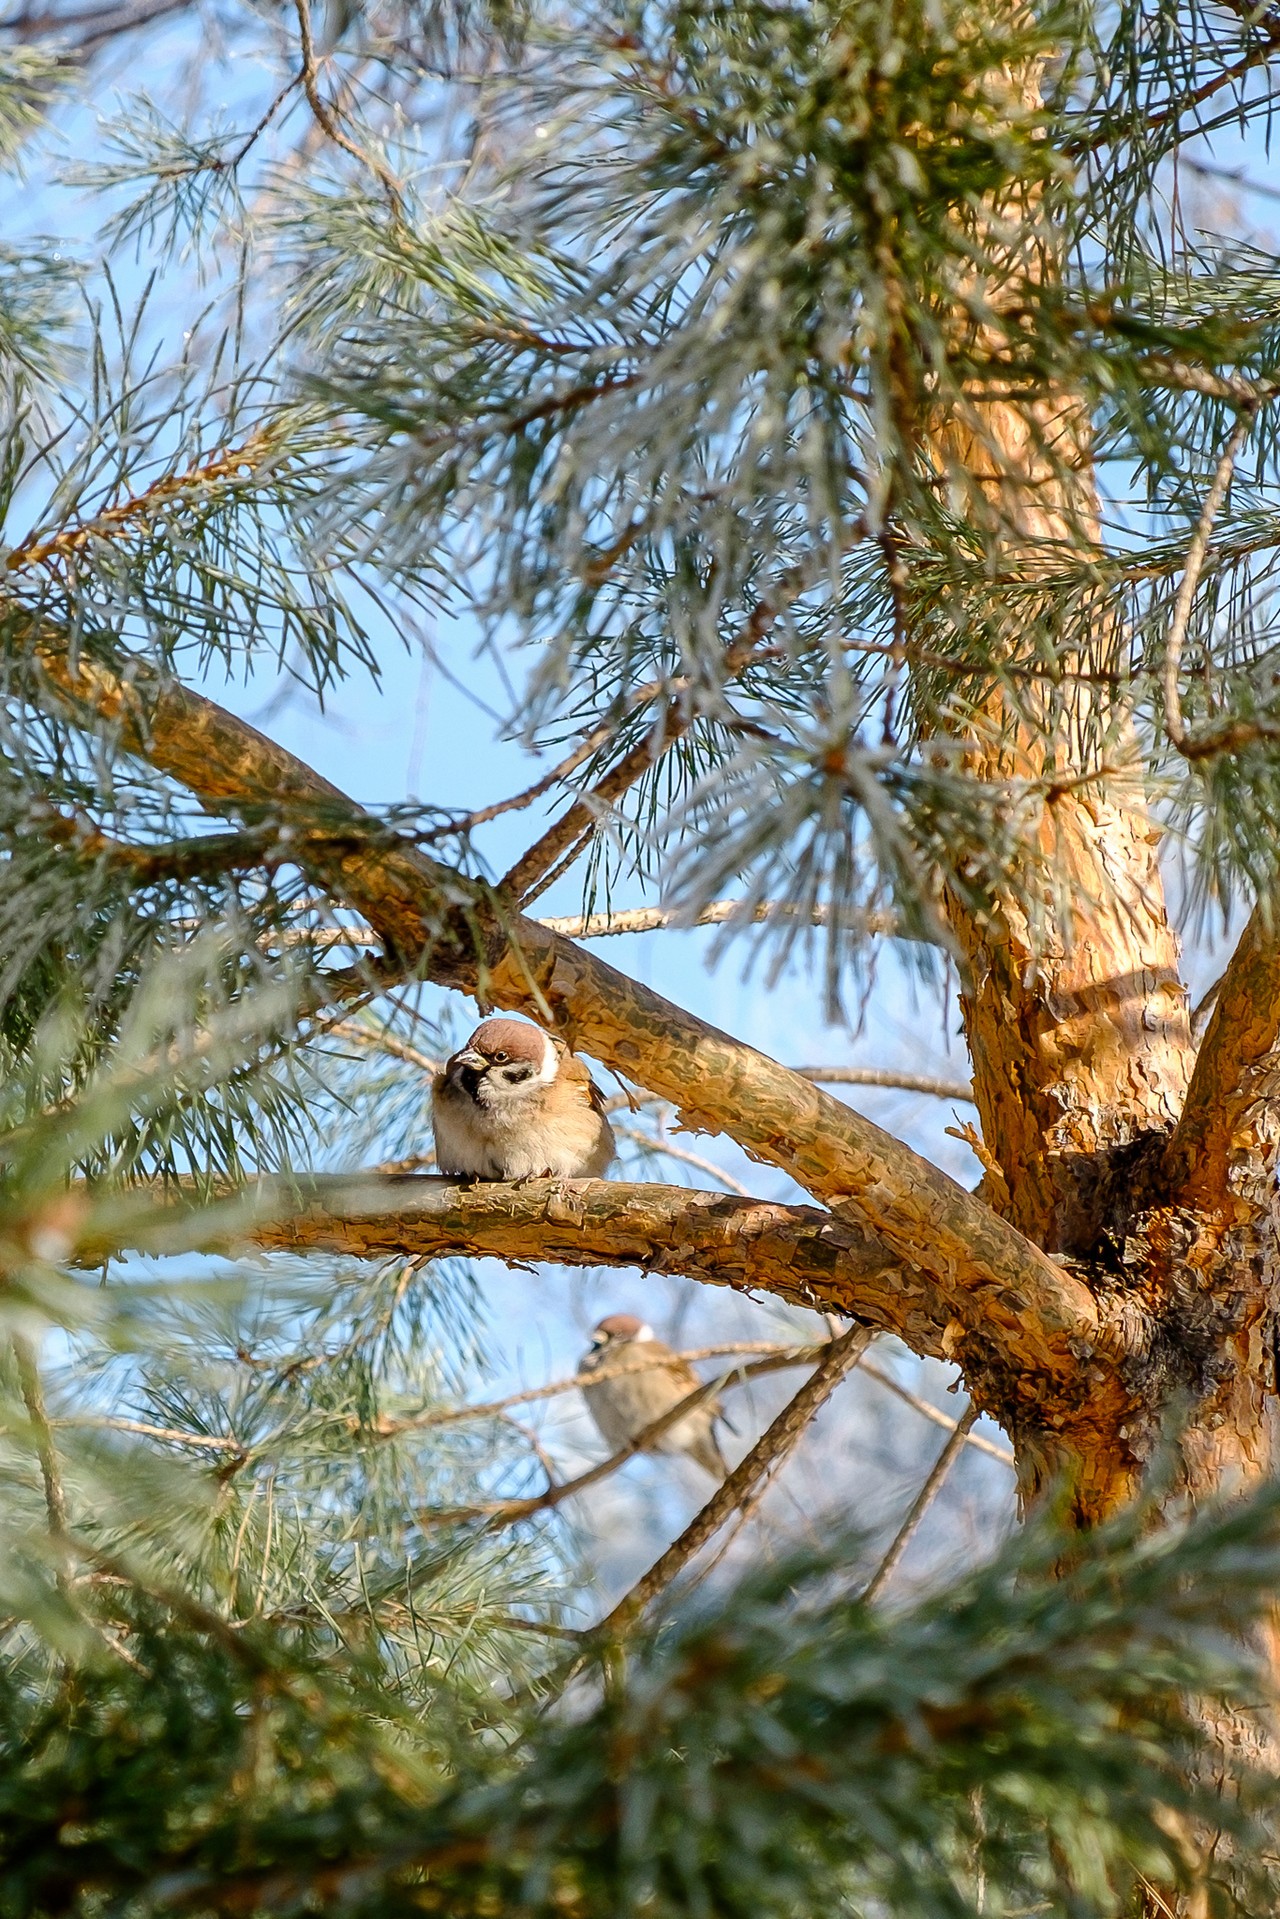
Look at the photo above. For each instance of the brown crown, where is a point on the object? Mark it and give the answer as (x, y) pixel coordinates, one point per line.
(514, 1037)
(620, 1326)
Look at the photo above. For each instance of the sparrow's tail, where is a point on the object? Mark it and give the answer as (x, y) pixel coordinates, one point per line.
(706, 1451)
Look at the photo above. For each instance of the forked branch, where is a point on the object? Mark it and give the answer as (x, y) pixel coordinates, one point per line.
(974, 1273)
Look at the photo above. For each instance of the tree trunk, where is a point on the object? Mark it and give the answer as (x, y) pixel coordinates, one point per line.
(1077, 1025)
(1083, 1062)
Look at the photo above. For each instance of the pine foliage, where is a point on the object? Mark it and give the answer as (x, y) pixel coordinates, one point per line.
(615, 326)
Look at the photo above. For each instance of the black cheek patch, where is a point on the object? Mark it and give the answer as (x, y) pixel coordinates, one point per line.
(516, 1075)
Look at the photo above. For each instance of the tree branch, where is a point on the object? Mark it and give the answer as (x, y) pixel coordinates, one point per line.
(936, 1414)
(585, 814)
(55, 1498)
(63, 546)
(652, 919)
(1242, 1034)
(1202, 745)
(1000, 1295)
(796, 1253)
(745, 1481)
(327, 120)
(920, 1505)
(93, 27)
(506, 1512)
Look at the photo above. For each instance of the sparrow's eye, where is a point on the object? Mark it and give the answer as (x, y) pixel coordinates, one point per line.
(498, 1058)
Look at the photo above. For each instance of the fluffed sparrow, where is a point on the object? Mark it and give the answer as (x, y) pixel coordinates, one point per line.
(515, 1104)
(654, 1380)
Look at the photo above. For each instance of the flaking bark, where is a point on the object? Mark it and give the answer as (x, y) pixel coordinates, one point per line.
(799, 1254)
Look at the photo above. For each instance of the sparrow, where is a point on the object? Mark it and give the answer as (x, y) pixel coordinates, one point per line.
(655, 1379)
(515, 1104)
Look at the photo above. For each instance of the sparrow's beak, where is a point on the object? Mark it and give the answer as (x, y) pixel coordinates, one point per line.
(469, 1057)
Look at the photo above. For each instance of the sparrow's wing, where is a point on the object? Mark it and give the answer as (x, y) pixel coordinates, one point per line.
(572, 1068)
(679, 1371)
(596, 1097)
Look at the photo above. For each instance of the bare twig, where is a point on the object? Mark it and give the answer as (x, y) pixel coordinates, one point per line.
(55, 1497)
(746, 1481)
(653, 919)
(585, 814)
(936, 1415)
(1179, 736)
(173, 1435)
(327, 120)
(772, 1359)
(568, 859)
(598, 737)
(887, 1076)
(384, 1042)
(920, 1505)
(506, 1512)
(685, 1157)
(583, 817)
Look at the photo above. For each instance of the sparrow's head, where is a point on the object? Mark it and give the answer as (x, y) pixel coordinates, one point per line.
(507, 1057)
(620, 1329)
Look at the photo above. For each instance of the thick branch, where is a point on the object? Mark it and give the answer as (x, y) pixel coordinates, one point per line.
(988, 1283)
(1243, 1032)
(797, 1253)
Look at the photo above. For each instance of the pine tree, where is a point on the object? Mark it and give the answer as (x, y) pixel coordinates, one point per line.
(867, 479)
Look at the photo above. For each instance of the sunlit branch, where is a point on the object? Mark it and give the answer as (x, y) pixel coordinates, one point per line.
(1238, 1046)
(69, 541)
(652, 919)
(797, 1253)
